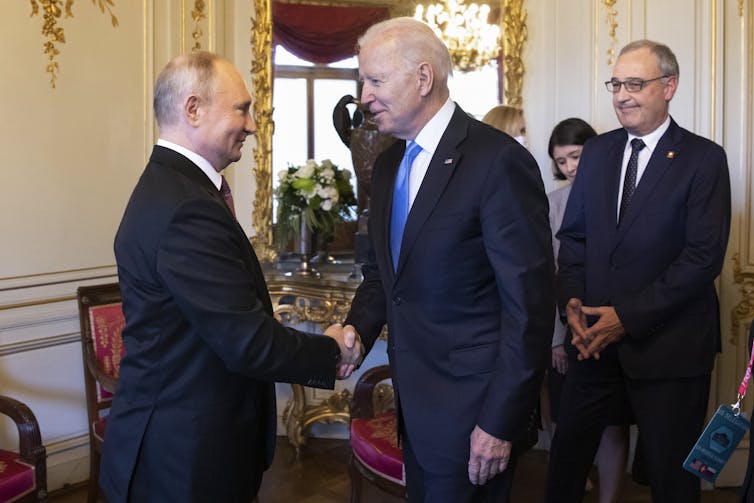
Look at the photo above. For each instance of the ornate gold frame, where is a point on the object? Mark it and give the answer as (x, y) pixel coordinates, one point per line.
(515, 33)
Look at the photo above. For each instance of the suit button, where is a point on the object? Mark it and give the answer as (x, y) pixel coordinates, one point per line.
(613, 267)
(397, 300)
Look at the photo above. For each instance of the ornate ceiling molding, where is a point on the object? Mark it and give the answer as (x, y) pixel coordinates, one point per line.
(54, 34)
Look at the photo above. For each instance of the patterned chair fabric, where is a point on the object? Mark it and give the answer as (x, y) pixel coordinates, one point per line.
(374, 443)
(375, 454)
(23, 474)
(102, 321)
(107, 323)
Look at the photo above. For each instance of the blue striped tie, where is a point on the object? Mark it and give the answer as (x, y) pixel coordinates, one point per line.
(400, 201)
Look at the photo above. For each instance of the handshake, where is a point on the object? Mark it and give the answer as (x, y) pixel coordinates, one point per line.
(351, 349)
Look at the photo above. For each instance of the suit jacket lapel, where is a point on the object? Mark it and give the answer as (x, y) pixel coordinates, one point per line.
(440, 169)
(185, 167)
(613, 163)
(655, 170)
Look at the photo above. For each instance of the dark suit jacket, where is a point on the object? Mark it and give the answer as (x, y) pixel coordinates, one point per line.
(194, 412)
(469, 311)
(658, 266)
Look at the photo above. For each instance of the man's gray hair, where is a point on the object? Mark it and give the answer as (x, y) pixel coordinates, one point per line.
(665, 58)
(415, 41)
(190, 73)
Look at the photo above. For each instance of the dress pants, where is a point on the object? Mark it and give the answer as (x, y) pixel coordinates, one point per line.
(670, 416)
(426, 487)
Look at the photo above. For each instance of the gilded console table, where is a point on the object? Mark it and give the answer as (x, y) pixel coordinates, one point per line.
(325, 300)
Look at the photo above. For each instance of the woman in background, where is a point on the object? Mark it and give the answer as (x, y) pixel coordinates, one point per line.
(565, 146)
(509, 120)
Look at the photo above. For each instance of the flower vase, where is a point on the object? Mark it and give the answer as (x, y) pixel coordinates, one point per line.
(305, 245)
(322, 255)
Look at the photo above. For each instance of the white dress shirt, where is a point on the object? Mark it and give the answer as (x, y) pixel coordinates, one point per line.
(428, 138)
(200, 161)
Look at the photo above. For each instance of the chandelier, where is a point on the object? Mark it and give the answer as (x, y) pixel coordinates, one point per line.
(472, 41)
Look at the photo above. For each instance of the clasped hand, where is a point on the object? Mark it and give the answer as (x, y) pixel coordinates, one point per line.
(591, 340)
(351, 349)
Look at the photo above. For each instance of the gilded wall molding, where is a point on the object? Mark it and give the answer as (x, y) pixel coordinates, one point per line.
(515, 34)
(743, 312)
(54, 34)
(197, 14)
(261, 69)
(611, 20)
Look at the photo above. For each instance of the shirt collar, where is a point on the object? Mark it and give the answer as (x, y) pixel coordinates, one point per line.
(200, 161)
(652, 139)
(430, 135)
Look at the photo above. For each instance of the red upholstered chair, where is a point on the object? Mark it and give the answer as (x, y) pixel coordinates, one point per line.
(23, 474)
(102, 321)
(375, 455)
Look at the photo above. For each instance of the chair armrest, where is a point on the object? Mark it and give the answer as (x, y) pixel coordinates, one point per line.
(361, 404)
(30, 439)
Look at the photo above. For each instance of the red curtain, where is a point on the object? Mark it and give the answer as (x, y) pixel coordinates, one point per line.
(319, 33)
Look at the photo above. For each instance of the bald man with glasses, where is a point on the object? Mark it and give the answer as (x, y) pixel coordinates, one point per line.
(642, 241)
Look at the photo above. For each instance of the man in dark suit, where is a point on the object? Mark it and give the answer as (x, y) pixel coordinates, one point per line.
(642, 241)
(467, 289)
(194, 413)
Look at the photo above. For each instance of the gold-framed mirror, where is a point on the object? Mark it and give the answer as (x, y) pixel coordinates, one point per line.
(514, 34)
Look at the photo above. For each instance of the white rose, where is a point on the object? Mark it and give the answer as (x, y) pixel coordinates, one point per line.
(305, 171)
(326, 205)
(282, 174)
(328, 174)
(322, 192)
(333, 194)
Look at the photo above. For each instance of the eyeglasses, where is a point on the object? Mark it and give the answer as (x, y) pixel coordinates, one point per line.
(631, 85)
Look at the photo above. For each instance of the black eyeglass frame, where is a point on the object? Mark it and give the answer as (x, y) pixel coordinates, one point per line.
(631, 85)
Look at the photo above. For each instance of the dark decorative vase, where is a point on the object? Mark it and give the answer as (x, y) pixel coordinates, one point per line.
(305, 268)
(360, 134)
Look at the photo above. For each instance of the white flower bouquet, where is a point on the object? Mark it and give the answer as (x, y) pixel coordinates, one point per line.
(321, 194)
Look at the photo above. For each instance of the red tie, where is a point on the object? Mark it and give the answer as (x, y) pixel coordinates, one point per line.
(225, 190)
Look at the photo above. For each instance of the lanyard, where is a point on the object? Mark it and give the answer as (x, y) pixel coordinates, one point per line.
(744, 383)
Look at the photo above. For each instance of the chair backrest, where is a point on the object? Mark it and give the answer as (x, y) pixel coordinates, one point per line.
(102, 321)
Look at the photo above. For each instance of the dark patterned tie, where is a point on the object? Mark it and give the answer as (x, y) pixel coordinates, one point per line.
(629, 182)
(225, 191)
(400, 201)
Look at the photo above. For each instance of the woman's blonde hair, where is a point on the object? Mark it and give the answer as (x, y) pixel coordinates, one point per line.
(504, 118)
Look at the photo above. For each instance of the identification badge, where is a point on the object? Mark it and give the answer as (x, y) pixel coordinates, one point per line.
(718, 441)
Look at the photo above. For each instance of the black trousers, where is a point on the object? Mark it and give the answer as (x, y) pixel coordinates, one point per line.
(669, 413)
(426, 487)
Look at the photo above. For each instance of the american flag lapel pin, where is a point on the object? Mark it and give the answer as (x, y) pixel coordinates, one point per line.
(670, 154)
(449, 160)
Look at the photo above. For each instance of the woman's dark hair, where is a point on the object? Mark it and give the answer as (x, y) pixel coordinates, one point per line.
(571, 131)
